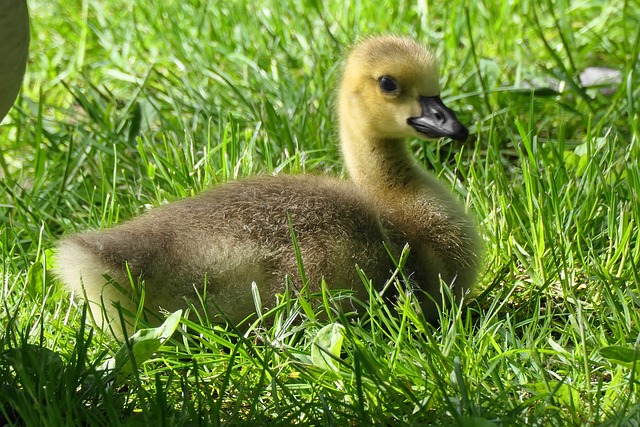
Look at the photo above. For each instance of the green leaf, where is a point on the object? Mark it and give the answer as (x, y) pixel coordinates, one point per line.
(562, 392)
(326, 347)
(35, 284)
(141, 346)
(625, 356)
(33, 360)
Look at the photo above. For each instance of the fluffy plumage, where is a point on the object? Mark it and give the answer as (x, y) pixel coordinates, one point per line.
(239, 233)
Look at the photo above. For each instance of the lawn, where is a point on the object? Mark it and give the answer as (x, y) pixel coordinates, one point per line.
(127, 105)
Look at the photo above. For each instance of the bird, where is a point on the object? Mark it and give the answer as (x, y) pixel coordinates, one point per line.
(213, 248)
(14, 50)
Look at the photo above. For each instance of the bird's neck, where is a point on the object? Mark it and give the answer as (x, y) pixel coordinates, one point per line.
(379, 165)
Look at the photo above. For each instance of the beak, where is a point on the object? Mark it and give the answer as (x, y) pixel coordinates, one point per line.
(437, 120)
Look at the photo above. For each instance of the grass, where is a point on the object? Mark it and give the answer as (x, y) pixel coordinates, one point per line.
(127, 105)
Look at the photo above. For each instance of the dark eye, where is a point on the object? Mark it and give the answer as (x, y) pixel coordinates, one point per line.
(387, 84)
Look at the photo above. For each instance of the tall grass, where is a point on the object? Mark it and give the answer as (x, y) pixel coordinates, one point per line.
(131, 104)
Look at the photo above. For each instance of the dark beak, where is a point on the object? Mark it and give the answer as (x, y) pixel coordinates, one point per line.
(438, 121)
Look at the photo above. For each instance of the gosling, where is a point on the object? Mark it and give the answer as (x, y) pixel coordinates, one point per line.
(239, 233)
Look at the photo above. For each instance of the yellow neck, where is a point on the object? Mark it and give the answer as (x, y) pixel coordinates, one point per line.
(376, 164)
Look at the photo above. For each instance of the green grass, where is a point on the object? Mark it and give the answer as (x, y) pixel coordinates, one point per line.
(130, 104)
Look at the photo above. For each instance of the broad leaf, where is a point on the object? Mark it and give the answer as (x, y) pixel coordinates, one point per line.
(326, 347)
(141, 346)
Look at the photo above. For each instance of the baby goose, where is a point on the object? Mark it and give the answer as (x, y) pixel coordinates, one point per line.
(238, 233)
(14, 50)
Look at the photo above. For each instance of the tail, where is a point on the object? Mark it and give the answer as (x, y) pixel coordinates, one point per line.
(80, 267)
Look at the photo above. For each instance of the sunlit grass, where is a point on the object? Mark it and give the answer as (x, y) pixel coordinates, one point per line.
(132, 104)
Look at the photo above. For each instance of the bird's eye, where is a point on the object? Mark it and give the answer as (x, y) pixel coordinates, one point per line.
(387, 84)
